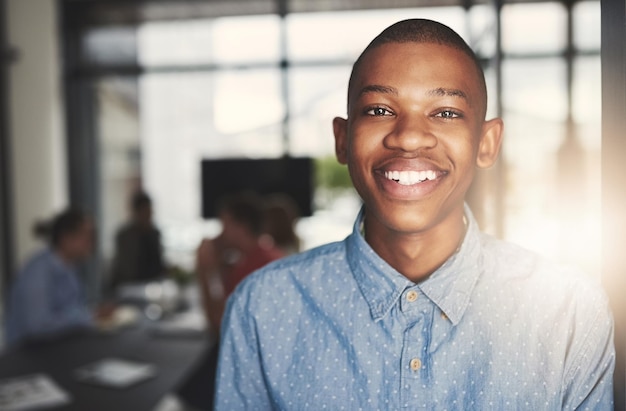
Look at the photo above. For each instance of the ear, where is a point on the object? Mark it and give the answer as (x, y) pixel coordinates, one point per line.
(489, 144)
(340, 129)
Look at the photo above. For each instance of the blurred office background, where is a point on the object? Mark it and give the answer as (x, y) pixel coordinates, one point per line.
(106, 97)
(102, 97)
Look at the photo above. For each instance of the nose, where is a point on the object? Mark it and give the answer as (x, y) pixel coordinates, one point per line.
(410, 133)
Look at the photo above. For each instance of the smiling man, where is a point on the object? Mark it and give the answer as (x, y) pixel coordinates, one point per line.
(416, 308)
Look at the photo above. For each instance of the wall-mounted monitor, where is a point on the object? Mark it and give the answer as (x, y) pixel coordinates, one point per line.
(288, 175)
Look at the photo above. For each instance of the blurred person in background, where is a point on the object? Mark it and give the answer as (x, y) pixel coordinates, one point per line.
(138, 251)
(222, 263)
(280, 217)
(46, 298)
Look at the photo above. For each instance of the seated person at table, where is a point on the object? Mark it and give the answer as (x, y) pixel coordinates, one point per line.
(46, 297)
(138, 252)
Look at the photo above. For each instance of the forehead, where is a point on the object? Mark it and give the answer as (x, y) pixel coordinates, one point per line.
(403, 65)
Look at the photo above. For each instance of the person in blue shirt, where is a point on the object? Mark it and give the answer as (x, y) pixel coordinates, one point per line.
(417, 308)
(46, 298)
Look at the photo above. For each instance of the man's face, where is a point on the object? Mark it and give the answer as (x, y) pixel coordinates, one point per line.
(415, 133)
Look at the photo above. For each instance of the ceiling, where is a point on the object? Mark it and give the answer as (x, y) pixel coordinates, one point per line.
(124, 12)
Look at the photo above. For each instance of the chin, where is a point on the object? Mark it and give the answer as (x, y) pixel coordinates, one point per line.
(404, 221)
(408, 225)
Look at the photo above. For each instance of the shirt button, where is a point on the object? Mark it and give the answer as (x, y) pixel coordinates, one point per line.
(416, 364)
(411, 296)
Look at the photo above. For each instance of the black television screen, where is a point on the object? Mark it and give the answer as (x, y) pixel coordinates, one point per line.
(288, 175)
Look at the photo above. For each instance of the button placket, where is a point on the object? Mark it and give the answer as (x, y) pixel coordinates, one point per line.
(415, 375)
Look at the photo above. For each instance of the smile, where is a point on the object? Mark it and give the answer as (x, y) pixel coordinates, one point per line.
(408, 178)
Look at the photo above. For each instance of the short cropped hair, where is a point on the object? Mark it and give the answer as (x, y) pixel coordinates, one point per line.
(421, 31)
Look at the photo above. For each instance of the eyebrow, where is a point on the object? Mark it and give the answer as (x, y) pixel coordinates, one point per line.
(376, 88)
(437, 92)
(449, 92)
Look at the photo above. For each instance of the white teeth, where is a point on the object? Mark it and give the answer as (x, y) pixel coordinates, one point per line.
(408, 178)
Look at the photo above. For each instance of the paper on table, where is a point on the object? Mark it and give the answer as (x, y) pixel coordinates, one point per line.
(29, 392)
(115, 372)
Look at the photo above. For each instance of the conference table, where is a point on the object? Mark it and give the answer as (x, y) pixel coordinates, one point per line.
(173, 355)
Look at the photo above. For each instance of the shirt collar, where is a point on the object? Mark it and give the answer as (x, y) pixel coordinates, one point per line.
(449, 287)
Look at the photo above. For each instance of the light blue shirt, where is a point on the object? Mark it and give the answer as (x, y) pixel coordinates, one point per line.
(494, 328)
(46, 298)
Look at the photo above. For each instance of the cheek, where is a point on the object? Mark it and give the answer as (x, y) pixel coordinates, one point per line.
(363, 145)
(77, 246)
(461, 146)
(358, 160)
(362, 181)
(86, 244)
(465, 163)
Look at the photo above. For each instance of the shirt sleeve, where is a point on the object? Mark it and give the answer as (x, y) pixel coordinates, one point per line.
(240, 383)
(589, 374)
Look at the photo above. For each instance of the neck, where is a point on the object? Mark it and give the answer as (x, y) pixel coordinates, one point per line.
(418, 255)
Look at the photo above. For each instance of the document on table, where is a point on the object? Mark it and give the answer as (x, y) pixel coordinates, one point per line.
(29, 392)
(115, 372)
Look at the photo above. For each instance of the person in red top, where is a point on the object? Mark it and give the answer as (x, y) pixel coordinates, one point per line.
(223, 262)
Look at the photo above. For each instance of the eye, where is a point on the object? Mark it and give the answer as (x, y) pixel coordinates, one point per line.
(448, 114)
(378, 111)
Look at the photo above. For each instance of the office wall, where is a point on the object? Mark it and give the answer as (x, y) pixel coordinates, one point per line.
(35, 114)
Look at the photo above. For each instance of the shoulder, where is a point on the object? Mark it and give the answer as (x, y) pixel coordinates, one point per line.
(126, 230)
(559, 315)
(299, 271)
(121, 233)
(42, 259)
(154, 230)
(512, 261)
(35, 272)
(556, 287)
(291, 290)
(518, 260)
